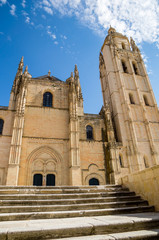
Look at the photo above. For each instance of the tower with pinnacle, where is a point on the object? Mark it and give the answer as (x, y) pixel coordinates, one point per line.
(128, 93)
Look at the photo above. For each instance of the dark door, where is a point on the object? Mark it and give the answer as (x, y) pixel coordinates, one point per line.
(93, 181)
(50, 180)
(38, 179)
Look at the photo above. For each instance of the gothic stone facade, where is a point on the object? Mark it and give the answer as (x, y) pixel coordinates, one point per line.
(44, 131)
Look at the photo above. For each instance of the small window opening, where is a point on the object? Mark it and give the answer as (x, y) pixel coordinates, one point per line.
(93, 181)
(1, 126)
(121, 161)
(50, 180)
(123, 46)
(135, 68)
(47, 99)
(124, 67)
(131, 99)
(146, 101)
(37, 179)
(146, 162)
(89, 132)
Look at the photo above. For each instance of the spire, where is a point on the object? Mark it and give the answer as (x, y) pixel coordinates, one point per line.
(21, 61)
(133, 45)
(26, 70)
(72, 78)
(49, 73)
(77, 82)
(18, 74)
(26, 73)
(111, 30)
(76, 72)
(20, 68)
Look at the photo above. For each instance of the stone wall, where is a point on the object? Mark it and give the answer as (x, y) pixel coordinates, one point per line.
(145, 183)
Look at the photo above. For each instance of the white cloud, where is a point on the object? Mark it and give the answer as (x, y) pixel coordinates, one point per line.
(132, 17)
(27, 20)
(48, 10)
(45, 2)
(3, 2)
(63, 37)
(13, 9)
(25, 13)
(52, 35)
(23, 3)
(43, 16)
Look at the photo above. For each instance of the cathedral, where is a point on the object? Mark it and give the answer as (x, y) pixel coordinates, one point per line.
(47, 140)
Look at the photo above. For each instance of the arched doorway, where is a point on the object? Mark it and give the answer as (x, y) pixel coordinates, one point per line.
(38, 179)
(50, 180)
(93, 181)
(45, 160)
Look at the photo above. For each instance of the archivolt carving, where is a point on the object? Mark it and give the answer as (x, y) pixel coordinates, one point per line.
(92, 168)
(94, 175)
(44, 160)
(44, 149)
(93, 172)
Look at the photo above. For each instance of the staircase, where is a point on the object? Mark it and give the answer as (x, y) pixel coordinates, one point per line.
(75, 213)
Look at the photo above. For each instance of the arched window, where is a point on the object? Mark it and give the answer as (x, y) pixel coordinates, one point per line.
(131, 98)
(47, 99)
(146, 100)
(123, 46)
(124, 67)
(135, 68)
(93, 181)
(1, 126)
(89, 132)
(146, 162)
(121, 160)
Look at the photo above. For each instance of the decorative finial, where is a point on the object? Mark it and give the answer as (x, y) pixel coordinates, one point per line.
(76, 71)
(49, 73)
(111, 30)
(22, 58)
(71, 74)
(133, 45)
(21, 64)
(26, 70)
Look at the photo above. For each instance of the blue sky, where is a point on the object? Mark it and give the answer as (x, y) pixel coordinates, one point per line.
(57, 34)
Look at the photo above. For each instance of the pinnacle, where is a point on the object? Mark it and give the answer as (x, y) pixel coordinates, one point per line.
(26, 69)
(22, 58)
(49, 73)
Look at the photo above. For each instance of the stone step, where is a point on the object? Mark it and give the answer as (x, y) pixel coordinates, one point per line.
(61, 191)
(72, 214)
(74, 227)
(68, 201)
(63, 196)
(62, 187)
(133, 235)
(69, 207)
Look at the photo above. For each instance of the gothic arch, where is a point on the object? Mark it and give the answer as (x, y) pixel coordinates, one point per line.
(52, 157)
(93, 130)
(50, 90)
(94, 175)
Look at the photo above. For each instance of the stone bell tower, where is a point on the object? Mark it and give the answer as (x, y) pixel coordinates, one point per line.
(126, 89)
